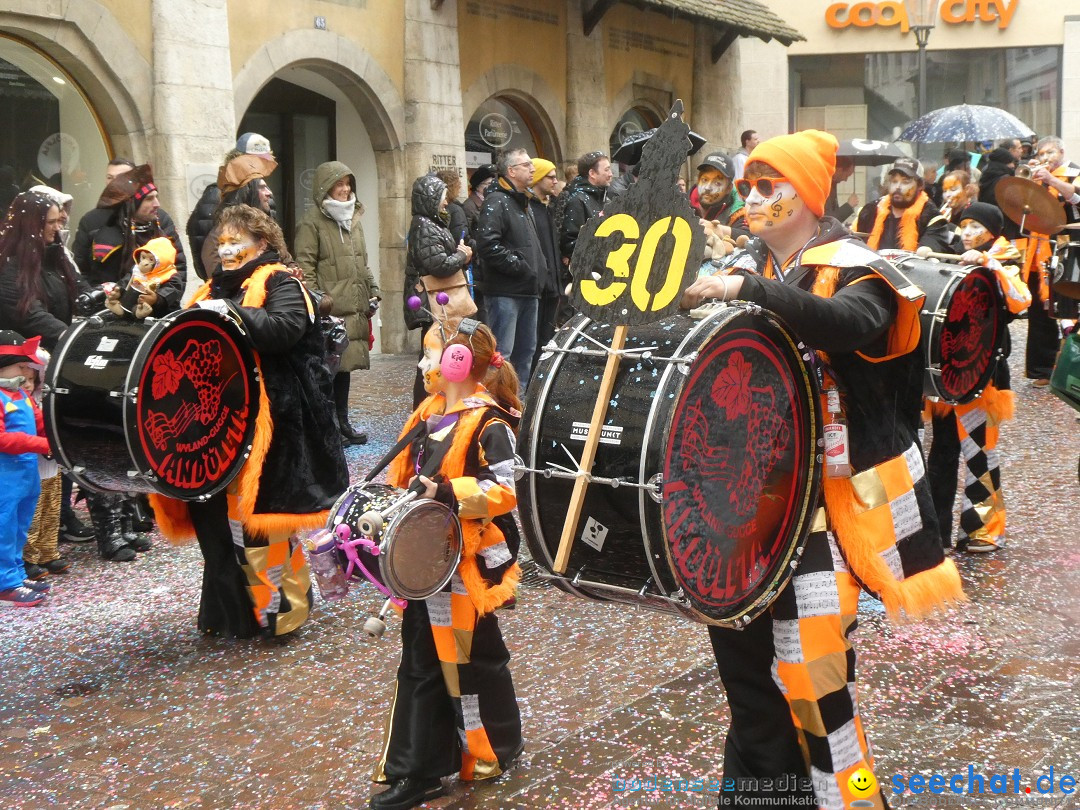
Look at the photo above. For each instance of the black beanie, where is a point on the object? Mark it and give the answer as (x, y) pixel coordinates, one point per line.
(482, 173)
(989, 216)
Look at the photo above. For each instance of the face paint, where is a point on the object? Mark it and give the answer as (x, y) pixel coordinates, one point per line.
(952, 193)
(973, 234)
(765, 213)
(902, 190)
(235, 249)
(1051, 156)
(712, 187)
(429, 363)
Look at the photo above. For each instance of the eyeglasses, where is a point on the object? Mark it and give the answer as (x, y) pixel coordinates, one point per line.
(528, 163)
(766, 186)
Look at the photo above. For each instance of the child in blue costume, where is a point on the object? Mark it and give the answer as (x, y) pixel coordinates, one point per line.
(22, 440)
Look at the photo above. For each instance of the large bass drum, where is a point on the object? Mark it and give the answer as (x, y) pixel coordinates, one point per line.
(708, 468)
(164, 406)
(963, 324)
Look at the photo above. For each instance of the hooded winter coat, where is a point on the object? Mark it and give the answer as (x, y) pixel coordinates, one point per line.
(507, 243)
(432, 247)
(583, 202)
(334, 261)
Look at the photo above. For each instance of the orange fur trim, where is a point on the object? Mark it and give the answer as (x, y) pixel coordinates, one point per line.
(1000, 406)
(173, 518)
(485, 596)
(908, 233)
(911, 598)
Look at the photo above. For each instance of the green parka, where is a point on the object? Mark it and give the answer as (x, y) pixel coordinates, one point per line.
(335, 261)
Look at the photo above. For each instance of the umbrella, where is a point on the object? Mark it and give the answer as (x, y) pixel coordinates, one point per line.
(869, 153)
(630, 150)
(965, 122)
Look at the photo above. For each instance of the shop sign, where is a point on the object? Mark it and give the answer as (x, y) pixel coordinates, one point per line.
(496, 130)
(892, 13)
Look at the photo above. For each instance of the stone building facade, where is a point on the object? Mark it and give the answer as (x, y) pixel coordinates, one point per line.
(394, 88)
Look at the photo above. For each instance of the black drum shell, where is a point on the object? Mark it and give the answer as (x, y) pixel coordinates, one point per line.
(635, 563)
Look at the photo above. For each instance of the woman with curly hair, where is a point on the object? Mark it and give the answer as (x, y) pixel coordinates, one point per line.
(296, 468)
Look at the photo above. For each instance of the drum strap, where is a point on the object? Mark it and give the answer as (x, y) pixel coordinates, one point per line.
(434, 459)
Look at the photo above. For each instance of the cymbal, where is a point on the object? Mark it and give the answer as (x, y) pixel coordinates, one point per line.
(1026, 201)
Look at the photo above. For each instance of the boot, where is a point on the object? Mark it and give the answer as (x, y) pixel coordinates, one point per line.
(142, 514)
(349, 436)
(139, 542)
(105, 513)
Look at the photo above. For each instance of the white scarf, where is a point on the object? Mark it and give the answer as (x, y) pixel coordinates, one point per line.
(341, 212)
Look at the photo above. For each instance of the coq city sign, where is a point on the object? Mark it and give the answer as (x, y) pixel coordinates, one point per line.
(891, 13)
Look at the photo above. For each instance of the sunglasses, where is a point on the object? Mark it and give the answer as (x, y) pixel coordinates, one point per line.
(766, 186)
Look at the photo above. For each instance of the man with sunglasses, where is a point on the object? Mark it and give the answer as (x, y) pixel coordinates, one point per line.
(790, 673)
(905, 218)
(717, 200)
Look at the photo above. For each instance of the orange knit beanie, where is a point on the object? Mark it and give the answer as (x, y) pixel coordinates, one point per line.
(807, 159)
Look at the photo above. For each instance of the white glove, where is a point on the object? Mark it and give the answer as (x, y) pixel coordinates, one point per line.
(217, 305)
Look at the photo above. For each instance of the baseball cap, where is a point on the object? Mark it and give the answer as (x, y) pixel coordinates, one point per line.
(253, 143)
(907, 166)
(720, 162)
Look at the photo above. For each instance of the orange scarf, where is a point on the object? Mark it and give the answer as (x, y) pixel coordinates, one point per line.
(908, 233)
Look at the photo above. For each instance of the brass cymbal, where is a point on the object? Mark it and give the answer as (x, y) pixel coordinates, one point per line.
(1026, 201)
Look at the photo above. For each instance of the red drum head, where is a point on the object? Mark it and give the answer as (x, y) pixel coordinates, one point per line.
(740, 473)
(195, 407)
(970, 336)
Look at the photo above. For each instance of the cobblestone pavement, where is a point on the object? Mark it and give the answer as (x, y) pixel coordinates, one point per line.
(110, 699)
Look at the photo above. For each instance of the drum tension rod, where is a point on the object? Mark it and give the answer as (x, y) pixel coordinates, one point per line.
(641, 352)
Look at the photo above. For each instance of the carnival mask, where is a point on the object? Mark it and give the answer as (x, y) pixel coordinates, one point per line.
(429, 363)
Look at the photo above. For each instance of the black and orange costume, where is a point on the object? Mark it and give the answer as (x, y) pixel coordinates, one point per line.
(790, 674)
(1044, 333)
(919, 225)
(256, 579)
(973, 429)
(455, 708)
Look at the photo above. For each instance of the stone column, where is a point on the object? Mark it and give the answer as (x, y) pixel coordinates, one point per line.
(1070, 88)
(193, 119)
(715, 111)
(434, 119)
(588, 119)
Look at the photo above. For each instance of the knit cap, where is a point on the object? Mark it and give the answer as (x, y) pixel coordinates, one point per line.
(541, 169)
(806, 159)
(989, 216)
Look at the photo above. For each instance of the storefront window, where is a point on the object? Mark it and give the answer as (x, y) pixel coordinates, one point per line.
(499, 124)
(1023, 81)
(57, 140)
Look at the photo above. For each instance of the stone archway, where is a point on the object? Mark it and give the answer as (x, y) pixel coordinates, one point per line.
(381, 108)
(517, 83)
(77, 35)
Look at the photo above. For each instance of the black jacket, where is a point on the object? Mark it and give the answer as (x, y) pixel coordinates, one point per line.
(304, 470)
(432, 247)
(583, 202)
(199, 225)
(545, 228)
(507, 244)
(48, 316)
(101, 255)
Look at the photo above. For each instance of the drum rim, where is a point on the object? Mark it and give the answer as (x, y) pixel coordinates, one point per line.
(390, 533)
(52, 371)
(139, 459)
(815, 475)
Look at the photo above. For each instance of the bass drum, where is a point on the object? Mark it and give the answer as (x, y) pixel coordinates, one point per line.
(166, 406)
(707, 473)
(963, 325)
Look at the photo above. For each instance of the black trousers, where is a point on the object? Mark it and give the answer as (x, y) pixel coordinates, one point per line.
(1044, 336)
(225, 606)
(942, 465)
(545, 324)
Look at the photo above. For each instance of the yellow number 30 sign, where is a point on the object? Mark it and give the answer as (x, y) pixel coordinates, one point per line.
(652, 266)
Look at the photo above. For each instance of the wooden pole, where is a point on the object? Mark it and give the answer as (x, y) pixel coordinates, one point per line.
(588, 453)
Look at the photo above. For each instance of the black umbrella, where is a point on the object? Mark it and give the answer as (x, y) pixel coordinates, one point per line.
(630, 150)
(965, 122)
(863, 152)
